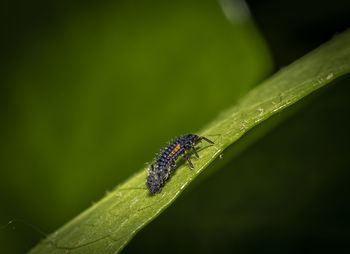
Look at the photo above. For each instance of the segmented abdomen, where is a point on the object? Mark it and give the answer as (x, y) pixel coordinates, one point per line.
(165, 161)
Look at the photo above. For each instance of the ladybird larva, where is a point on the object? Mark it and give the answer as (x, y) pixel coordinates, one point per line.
(165, 161)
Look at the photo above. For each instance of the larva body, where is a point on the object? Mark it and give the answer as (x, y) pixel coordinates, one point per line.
(165, 161)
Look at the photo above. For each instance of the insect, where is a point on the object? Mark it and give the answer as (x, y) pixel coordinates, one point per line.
(165, 161)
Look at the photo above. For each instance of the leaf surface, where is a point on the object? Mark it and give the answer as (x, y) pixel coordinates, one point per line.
(112, 222)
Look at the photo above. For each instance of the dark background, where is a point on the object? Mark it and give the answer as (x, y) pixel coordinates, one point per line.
(91, 89)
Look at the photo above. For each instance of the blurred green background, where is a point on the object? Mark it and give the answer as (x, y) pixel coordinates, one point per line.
(90, 90)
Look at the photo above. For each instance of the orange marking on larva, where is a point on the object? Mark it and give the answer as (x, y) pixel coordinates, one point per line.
(177, 148)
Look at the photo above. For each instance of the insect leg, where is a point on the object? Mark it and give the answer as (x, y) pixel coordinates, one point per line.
(188, 159)
(204, 138)
(173, 165)
(195, 152)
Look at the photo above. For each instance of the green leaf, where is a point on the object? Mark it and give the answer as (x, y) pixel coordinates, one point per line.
(112, 222)
(287, 186)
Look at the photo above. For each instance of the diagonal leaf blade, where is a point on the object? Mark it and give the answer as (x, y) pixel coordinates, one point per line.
(112, 222)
